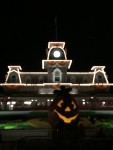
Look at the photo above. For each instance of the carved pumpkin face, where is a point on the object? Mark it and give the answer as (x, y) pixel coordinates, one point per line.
(65, 109)
(67, 112)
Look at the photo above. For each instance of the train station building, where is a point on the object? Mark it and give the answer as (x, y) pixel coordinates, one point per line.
(34, 90)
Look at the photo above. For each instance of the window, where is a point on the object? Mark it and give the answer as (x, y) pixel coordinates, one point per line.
(100, 78)
(85, 79)
(57, 75)
(13, 78)
(28, 79)
(40, 79)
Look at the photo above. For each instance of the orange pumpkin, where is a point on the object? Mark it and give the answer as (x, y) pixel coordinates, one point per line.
(64, 110)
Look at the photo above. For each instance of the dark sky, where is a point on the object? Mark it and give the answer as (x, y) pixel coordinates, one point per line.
(27, 27)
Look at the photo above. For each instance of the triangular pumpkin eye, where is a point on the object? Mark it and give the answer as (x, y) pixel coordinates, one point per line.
(74, 105)
(59, 104)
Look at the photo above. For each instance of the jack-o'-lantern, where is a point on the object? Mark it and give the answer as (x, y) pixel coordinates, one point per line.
(64, 109)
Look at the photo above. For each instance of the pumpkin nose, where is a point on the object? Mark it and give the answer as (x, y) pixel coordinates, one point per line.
(67, 109)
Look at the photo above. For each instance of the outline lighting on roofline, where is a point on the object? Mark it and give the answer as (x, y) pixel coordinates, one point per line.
(56, 44)
(59, 84)
(45, 61)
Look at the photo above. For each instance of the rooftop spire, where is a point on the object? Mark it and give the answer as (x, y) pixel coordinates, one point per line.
(56, 34)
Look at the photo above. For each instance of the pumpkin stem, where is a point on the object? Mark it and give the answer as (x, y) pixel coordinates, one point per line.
(63, 91)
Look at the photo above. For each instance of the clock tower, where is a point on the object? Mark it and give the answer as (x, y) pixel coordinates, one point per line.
(56, 63)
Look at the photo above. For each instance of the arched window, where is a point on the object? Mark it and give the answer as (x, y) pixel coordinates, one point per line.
(40, 79)
(85, 79)
(72, 79)
(57, 75)
(13, 78)
(28, 79)
(100, 78)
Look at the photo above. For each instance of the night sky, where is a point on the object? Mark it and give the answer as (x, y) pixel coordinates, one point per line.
(27, 27)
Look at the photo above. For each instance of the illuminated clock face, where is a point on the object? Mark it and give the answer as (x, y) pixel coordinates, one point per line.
(56, 54)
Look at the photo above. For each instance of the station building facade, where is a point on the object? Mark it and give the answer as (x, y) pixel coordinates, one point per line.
(34, 90)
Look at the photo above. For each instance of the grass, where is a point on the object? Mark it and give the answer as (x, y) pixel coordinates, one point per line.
(35, 123)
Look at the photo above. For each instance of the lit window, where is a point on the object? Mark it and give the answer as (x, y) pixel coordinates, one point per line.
(57, 75)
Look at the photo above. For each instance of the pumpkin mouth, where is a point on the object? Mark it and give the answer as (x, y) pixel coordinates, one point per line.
(65, 119)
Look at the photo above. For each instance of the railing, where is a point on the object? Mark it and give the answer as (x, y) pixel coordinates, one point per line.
(34, 143)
